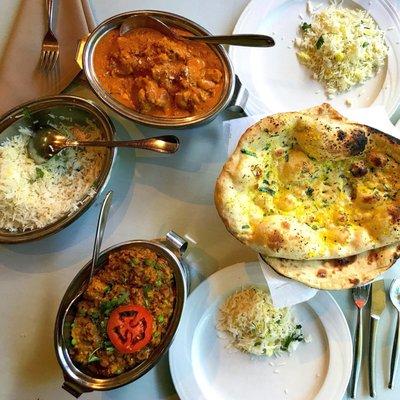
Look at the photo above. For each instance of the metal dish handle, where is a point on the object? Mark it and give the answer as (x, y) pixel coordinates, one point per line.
(79, 51)
(176, 242)
(239, 98)
(73, 388)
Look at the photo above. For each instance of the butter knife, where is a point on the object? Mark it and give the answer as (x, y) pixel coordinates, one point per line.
(378, 303)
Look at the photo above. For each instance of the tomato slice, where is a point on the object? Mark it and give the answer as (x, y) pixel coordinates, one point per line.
(130, 328)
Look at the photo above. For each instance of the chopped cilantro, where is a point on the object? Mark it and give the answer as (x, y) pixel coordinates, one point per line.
(309, 191)
(149, 262)
(320, 42)
(93, 358)
(268, 190)
(267, 146)
(107, 306)
(365, 44)
(248, 152)
(245, 226)
(304, 26)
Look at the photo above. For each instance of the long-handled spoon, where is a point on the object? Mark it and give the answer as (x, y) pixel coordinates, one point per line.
(101, 225)
(147, 21)
(46, 142)
(394, 294)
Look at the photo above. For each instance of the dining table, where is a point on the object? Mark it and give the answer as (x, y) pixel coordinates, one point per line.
(153, 193)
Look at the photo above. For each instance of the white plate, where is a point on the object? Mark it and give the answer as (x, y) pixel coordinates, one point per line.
(203, 368)
(278, 82)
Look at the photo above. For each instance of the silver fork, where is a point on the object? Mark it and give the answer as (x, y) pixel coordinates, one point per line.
(360, 298)
(50, 48)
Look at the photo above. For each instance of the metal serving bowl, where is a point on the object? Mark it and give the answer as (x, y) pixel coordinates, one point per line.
(86, 56)
(78, 381)
(79, 110)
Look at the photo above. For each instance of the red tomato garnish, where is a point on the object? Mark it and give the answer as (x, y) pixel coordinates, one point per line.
(130, 328)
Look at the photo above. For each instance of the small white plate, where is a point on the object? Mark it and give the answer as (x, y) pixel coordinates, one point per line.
(202, 367)
(278, 82)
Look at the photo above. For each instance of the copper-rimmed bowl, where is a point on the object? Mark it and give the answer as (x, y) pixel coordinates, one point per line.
(77, 380)
(155, 121)
(78, 110)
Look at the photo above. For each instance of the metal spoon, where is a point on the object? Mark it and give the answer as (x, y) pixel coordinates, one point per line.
(394, 294)
(101, 225)
(47, 142)
(147, 21)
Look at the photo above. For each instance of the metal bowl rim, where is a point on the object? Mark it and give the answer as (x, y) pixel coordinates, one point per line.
(9, 118)
(101, 384)
(154, 121)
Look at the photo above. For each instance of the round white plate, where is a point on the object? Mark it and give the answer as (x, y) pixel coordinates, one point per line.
(278, 82)
(202, 367)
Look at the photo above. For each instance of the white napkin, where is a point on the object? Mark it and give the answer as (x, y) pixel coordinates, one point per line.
(286, 292)
(20, 78)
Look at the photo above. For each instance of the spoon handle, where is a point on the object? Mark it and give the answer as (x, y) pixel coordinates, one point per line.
(101, 226)
(160, 144)
(394, 362)
(249, 40)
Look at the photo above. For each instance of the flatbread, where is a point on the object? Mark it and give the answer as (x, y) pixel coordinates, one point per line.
(312, 185)
(338, 274)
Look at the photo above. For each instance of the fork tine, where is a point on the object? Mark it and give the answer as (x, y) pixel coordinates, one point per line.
(46, 60)
(52, 58)
(41, 61)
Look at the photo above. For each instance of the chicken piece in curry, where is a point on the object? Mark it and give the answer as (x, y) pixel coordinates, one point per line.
(158, 75)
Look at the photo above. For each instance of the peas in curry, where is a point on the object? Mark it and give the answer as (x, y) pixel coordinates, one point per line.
(124, 313)
(157, 75)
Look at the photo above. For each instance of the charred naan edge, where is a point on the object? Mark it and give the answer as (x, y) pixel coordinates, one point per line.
(319, 134)
(337, 274)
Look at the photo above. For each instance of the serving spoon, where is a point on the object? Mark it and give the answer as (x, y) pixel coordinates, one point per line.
(394, 294)
(101, 226)
(46, 142)
(147, 21)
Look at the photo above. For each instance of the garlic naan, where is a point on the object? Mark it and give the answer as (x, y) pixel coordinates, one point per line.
(312, 185)
(340, 273)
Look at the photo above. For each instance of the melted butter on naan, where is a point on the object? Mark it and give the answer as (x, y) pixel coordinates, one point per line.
(328, 187)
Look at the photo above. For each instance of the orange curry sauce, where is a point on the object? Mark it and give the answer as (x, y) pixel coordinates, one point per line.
(157, 75)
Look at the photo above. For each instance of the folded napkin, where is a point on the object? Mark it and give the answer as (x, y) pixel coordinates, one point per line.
(20, 78)
(286, 292)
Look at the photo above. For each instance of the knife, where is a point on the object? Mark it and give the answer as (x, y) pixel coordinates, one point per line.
(378, 303)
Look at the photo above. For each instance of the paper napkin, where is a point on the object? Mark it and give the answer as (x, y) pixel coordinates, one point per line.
(286, 292)
(21, 79)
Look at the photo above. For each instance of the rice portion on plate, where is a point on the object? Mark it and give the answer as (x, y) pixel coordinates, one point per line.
(255, 326)
(342, 47)
(33, 196)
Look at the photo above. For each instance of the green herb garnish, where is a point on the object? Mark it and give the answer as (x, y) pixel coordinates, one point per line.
(73, 342)
(107, 306)
(27, 113)
(158, 282)
(309, 191)
(320, 42)
(245, 226)
(248, 152)
(365, 44)
(295, 336)
(134, 261)
(266, 147)
(268, 190)
(305, 26)
(149, 262)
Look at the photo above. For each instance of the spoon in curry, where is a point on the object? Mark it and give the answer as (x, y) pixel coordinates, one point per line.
(46, 142)
(101, 226)
(147, 21)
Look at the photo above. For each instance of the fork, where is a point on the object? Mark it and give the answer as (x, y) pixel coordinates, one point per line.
(360, 298)
(50, 47)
